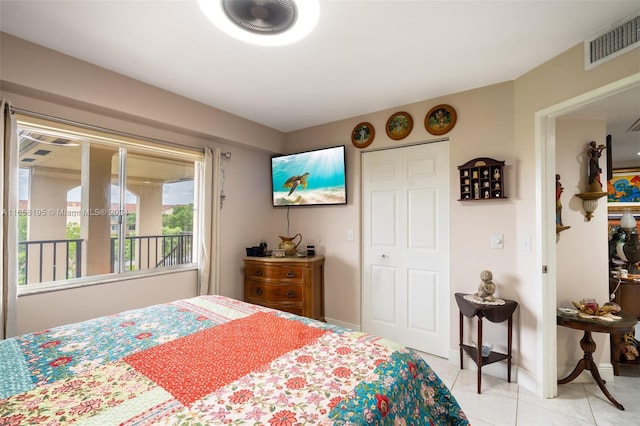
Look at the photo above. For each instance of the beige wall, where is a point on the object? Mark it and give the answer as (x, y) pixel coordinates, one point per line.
(78, 91)
(583, 249)
(484, 129)
(495, 121)
(70, 82)
(45, 310)
(556, 81)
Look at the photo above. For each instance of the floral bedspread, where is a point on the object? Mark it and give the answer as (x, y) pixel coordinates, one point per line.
(213, 360)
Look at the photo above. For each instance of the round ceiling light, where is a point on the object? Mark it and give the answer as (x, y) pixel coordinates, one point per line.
(263, 22)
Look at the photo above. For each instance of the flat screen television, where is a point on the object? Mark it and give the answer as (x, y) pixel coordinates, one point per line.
(309, 178)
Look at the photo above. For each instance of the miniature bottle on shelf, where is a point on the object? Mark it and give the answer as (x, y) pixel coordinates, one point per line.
(476, 190)
(496, 174)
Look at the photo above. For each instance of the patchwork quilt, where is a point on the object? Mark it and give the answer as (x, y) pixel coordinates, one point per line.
(212, 360)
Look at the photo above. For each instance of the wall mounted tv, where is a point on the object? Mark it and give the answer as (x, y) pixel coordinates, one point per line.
(309, 178)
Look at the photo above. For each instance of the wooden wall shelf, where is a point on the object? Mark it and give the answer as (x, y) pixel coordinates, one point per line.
(482, 179)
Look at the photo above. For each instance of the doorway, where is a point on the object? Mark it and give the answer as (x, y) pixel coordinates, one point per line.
(545, 121)
(405, 291)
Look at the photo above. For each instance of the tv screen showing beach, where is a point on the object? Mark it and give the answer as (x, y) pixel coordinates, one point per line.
(309, 178)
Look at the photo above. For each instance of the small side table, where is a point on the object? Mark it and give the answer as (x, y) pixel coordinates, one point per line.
(494, 313)
(623, 325)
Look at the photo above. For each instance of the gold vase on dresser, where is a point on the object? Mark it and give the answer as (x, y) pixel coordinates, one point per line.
(290, 284)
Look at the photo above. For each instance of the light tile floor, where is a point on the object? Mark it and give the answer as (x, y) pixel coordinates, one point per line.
(577, 404)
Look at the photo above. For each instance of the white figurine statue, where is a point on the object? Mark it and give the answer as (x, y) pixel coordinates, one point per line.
(486, 288)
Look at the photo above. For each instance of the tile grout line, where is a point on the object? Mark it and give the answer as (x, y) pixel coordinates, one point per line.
(586, 395)
(517, 403)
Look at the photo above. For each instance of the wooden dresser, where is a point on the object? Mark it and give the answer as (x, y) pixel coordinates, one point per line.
(289, 284)
(627, 295)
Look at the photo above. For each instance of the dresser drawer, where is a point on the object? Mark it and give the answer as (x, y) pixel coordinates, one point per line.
(263, 292)
(282, 273)
(293, 285)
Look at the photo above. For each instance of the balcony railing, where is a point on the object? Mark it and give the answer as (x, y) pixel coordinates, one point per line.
(153, 251)
(49, 260)
(54, 260)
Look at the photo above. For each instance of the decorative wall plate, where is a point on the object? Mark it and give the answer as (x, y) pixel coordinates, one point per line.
(399, 125)
(440, 119)
(362, 135)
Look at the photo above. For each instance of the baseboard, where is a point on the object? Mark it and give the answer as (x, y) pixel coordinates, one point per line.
(605, 370)
(497, 369)
(523, 377)
(528, 380)
(355, 327)
(519, 375)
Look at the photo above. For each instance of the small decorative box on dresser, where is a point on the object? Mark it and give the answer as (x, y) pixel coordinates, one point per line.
(289, 284)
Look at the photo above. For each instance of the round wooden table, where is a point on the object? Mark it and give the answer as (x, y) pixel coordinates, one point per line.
(623, 325)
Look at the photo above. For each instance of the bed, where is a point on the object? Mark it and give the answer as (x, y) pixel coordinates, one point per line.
(216, 360)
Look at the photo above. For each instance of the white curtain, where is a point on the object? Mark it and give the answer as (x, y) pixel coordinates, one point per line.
(9, 232)
(209, 279)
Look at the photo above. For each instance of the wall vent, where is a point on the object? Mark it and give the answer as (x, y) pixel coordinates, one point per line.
(615, 40)
(635, 127)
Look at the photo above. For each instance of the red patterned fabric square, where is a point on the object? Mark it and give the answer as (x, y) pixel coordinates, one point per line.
(194, 366)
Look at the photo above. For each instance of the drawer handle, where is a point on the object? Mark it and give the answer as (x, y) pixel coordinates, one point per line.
(259, 272)
(291, 294)
(258, 291)
(291, 274)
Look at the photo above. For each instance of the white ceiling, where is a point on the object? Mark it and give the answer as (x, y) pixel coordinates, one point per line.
(363, 56)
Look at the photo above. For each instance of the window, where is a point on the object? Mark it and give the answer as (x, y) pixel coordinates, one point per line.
(93, 203)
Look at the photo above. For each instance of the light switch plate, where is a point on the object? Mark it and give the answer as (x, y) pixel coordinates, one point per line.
(497, 241)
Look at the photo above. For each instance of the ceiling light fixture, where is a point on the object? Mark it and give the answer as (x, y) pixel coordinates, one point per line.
(263, 22)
